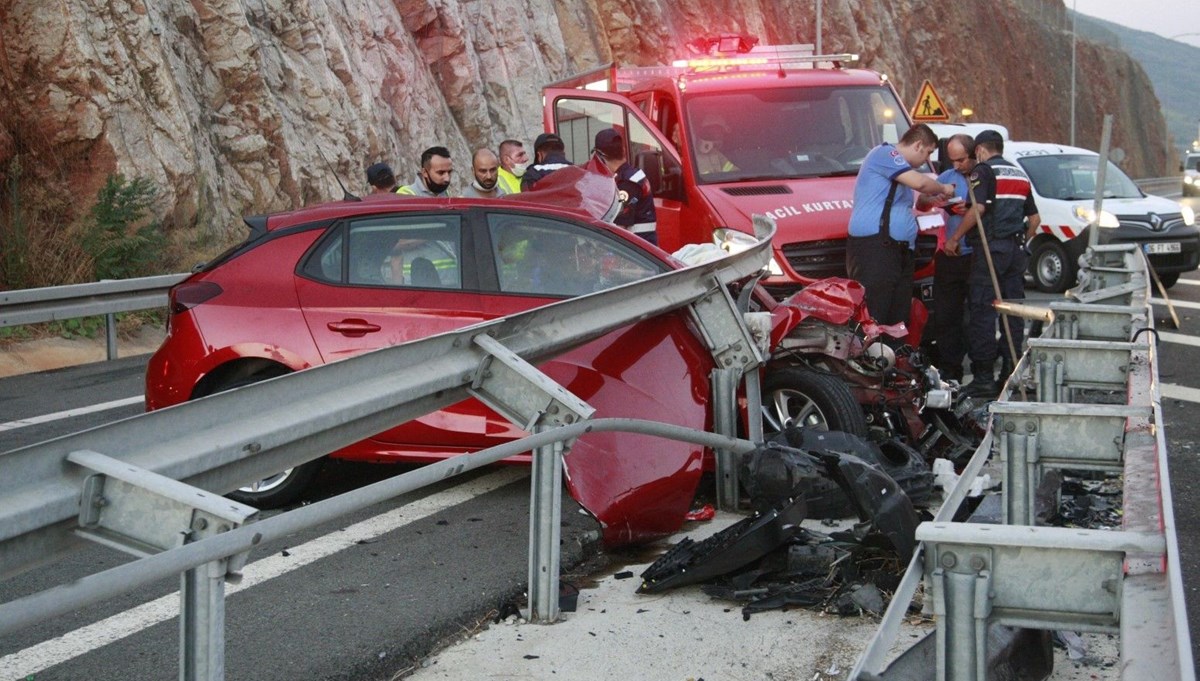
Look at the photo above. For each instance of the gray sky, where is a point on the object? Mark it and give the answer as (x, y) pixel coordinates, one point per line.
(1168, 18)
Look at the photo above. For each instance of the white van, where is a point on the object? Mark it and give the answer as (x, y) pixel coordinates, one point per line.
(1064, 183)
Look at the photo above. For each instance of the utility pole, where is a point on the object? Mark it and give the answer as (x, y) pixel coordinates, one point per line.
(819, 27)
(1074, 4)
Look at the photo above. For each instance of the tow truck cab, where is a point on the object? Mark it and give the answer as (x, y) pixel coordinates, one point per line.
(744, 130)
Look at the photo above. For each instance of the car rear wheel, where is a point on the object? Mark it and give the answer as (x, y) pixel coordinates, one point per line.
(284, 487)
(806, 398)
(1053, 270)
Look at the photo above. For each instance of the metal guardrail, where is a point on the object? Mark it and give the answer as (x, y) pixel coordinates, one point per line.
(54, 303)
(1126, 581)
(97, 485)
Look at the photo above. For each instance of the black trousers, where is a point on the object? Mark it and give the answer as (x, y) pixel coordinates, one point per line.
(884, 267)
(983, 342)
(951, 283)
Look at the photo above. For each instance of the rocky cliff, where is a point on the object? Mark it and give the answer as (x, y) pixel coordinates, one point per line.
(242, 106)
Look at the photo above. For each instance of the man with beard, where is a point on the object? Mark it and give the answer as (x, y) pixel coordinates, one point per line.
(434, 180)
(485, 165)
(513, 162)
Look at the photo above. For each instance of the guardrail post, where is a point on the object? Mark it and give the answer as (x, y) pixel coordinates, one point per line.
(202, 623)
(962, 605)
(110, 335)
(545, 532)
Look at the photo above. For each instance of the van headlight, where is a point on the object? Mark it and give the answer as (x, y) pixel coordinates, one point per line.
(1087, 215)
(1189, 215)
(733, 241)
(1187, 179)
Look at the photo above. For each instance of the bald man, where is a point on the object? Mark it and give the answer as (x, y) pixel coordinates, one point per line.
(485, 166)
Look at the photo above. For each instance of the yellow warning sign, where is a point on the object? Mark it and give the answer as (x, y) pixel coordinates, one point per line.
(929, 107)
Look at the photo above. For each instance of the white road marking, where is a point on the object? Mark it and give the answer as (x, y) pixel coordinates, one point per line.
(1191, 282)
(71, 413)
(1179, 392)
(1186, 304)
(27, 662)
(1179, 338)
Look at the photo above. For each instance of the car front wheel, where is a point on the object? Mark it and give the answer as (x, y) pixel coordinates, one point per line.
(1052, 269)
(284, 487)
(806, 398)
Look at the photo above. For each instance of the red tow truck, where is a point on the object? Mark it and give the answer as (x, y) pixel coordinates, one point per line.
(739, 129)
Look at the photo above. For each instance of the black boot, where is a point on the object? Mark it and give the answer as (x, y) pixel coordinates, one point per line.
(1006, 369)
(983, 383)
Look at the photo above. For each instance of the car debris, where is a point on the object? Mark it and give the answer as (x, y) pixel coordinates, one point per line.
(768, 561)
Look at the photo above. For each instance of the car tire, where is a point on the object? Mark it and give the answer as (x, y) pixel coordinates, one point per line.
(282, 488)
(1052, 269)
(805, 397)
(1169, 279)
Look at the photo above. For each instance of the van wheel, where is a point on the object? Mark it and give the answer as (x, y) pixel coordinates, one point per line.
(1051, 267)
(1169, 279)
(806, 398)
(284, 487)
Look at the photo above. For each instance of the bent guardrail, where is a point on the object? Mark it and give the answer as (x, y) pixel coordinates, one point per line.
(1125, 581)
(219, 443)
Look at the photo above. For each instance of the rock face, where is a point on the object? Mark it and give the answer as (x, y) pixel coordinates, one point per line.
(236, 107)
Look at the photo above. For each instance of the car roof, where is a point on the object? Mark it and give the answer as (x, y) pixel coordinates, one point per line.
(392, 203)
(1018, 149)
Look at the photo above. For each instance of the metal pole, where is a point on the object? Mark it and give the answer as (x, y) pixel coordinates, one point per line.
(202, 622)
(1073, 37)
(1101, 178)
(819, 27)
(110, 335)
(545, 531)
(724, 394)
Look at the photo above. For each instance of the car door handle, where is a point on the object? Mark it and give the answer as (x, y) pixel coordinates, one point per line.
(353, 328)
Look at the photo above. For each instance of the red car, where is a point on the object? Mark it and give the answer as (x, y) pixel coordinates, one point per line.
(334, 280)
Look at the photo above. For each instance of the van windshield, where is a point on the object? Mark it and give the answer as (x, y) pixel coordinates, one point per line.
(1072, 177)
(1192, 162)
(788, 133)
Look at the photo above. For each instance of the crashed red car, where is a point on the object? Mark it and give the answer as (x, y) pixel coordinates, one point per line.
(334, 280)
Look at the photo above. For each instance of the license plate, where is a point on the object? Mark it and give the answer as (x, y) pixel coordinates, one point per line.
(1167, 247)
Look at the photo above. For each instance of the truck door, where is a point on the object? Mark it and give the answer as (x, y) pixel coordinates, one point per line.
(577, 115)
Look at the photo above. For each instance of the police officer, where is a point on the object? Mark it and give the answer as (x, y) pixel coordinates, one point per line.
(1010, 216)
(550, 154)
(637, 209)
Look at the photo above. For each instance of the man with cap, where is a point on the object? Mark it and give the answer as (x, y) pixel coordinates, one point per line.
(637, 201)
(550, 154)
(434, 179)
(486, 185)
(883, 227)
(381, 178)
(513, 162)
(1009, 215)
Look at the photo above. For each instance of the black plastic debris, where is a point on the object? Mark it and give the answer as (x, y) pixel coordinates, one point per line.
(689, 562)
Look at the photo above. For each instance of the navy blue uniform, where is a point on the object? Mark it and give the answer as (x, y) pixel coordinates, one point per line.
(637, 212)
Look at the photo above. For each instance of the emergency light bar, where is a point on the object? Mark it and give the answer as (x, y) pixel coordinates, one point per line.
(781, 60)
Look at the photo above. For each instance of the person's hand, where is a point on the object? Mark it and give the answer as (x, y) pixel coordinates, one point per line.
(959, 208)
(948, 190)
(951, 246)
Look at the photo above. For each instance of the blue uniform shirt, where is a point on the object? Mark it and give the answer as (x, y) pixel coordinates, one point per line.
(882, 165)
(959, 181)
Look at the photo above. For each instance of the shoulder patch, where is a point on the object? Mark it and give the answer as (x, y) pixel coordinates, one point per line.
(897, 158)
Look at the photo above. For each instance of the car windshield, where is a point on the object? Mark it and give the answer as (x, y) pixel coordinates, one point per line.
(788, 133)
(1072, 177)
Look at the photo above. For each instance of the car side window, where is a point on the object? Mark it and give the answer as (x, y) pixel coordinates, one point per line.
(411, 251)
(547, 257)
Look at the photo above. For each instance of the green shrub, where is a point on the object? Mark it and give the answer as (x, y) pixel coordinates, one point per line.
(121, 239)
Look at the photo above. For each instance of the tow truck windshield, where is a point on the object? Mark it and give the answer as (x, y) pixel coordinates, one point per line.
(789, 133)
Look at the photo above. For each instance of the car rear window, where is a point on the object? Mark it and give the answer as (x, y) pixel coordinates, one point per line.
(418, 251)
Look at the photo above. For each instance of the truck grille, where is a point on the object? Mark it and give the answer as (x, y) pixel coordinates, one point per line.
(817, 259)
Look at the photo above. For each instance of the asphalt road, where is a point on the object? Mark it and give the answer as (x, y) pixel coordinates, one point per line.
(378, 604)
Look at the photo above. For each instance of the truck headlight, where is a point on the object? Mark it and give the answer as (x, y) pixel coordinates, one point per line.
(733, 241)
(1189, 215)
(1086, 215)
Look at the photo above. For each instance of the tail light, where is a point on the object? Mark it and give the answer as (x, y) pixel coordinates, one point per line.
(190, 294)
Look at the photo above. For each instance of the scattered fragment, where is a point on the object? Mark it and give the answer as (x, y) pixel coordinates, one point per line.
(706, 512)
(626, 574)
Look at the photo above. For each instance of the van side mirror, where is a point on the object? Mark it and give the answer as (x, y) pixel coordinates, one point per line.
(1181, 166)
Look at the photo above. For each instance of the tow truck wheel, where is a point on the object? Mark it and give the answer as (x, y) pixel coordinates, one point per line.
(803, 397)
(1052, 269)
(284, 487)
